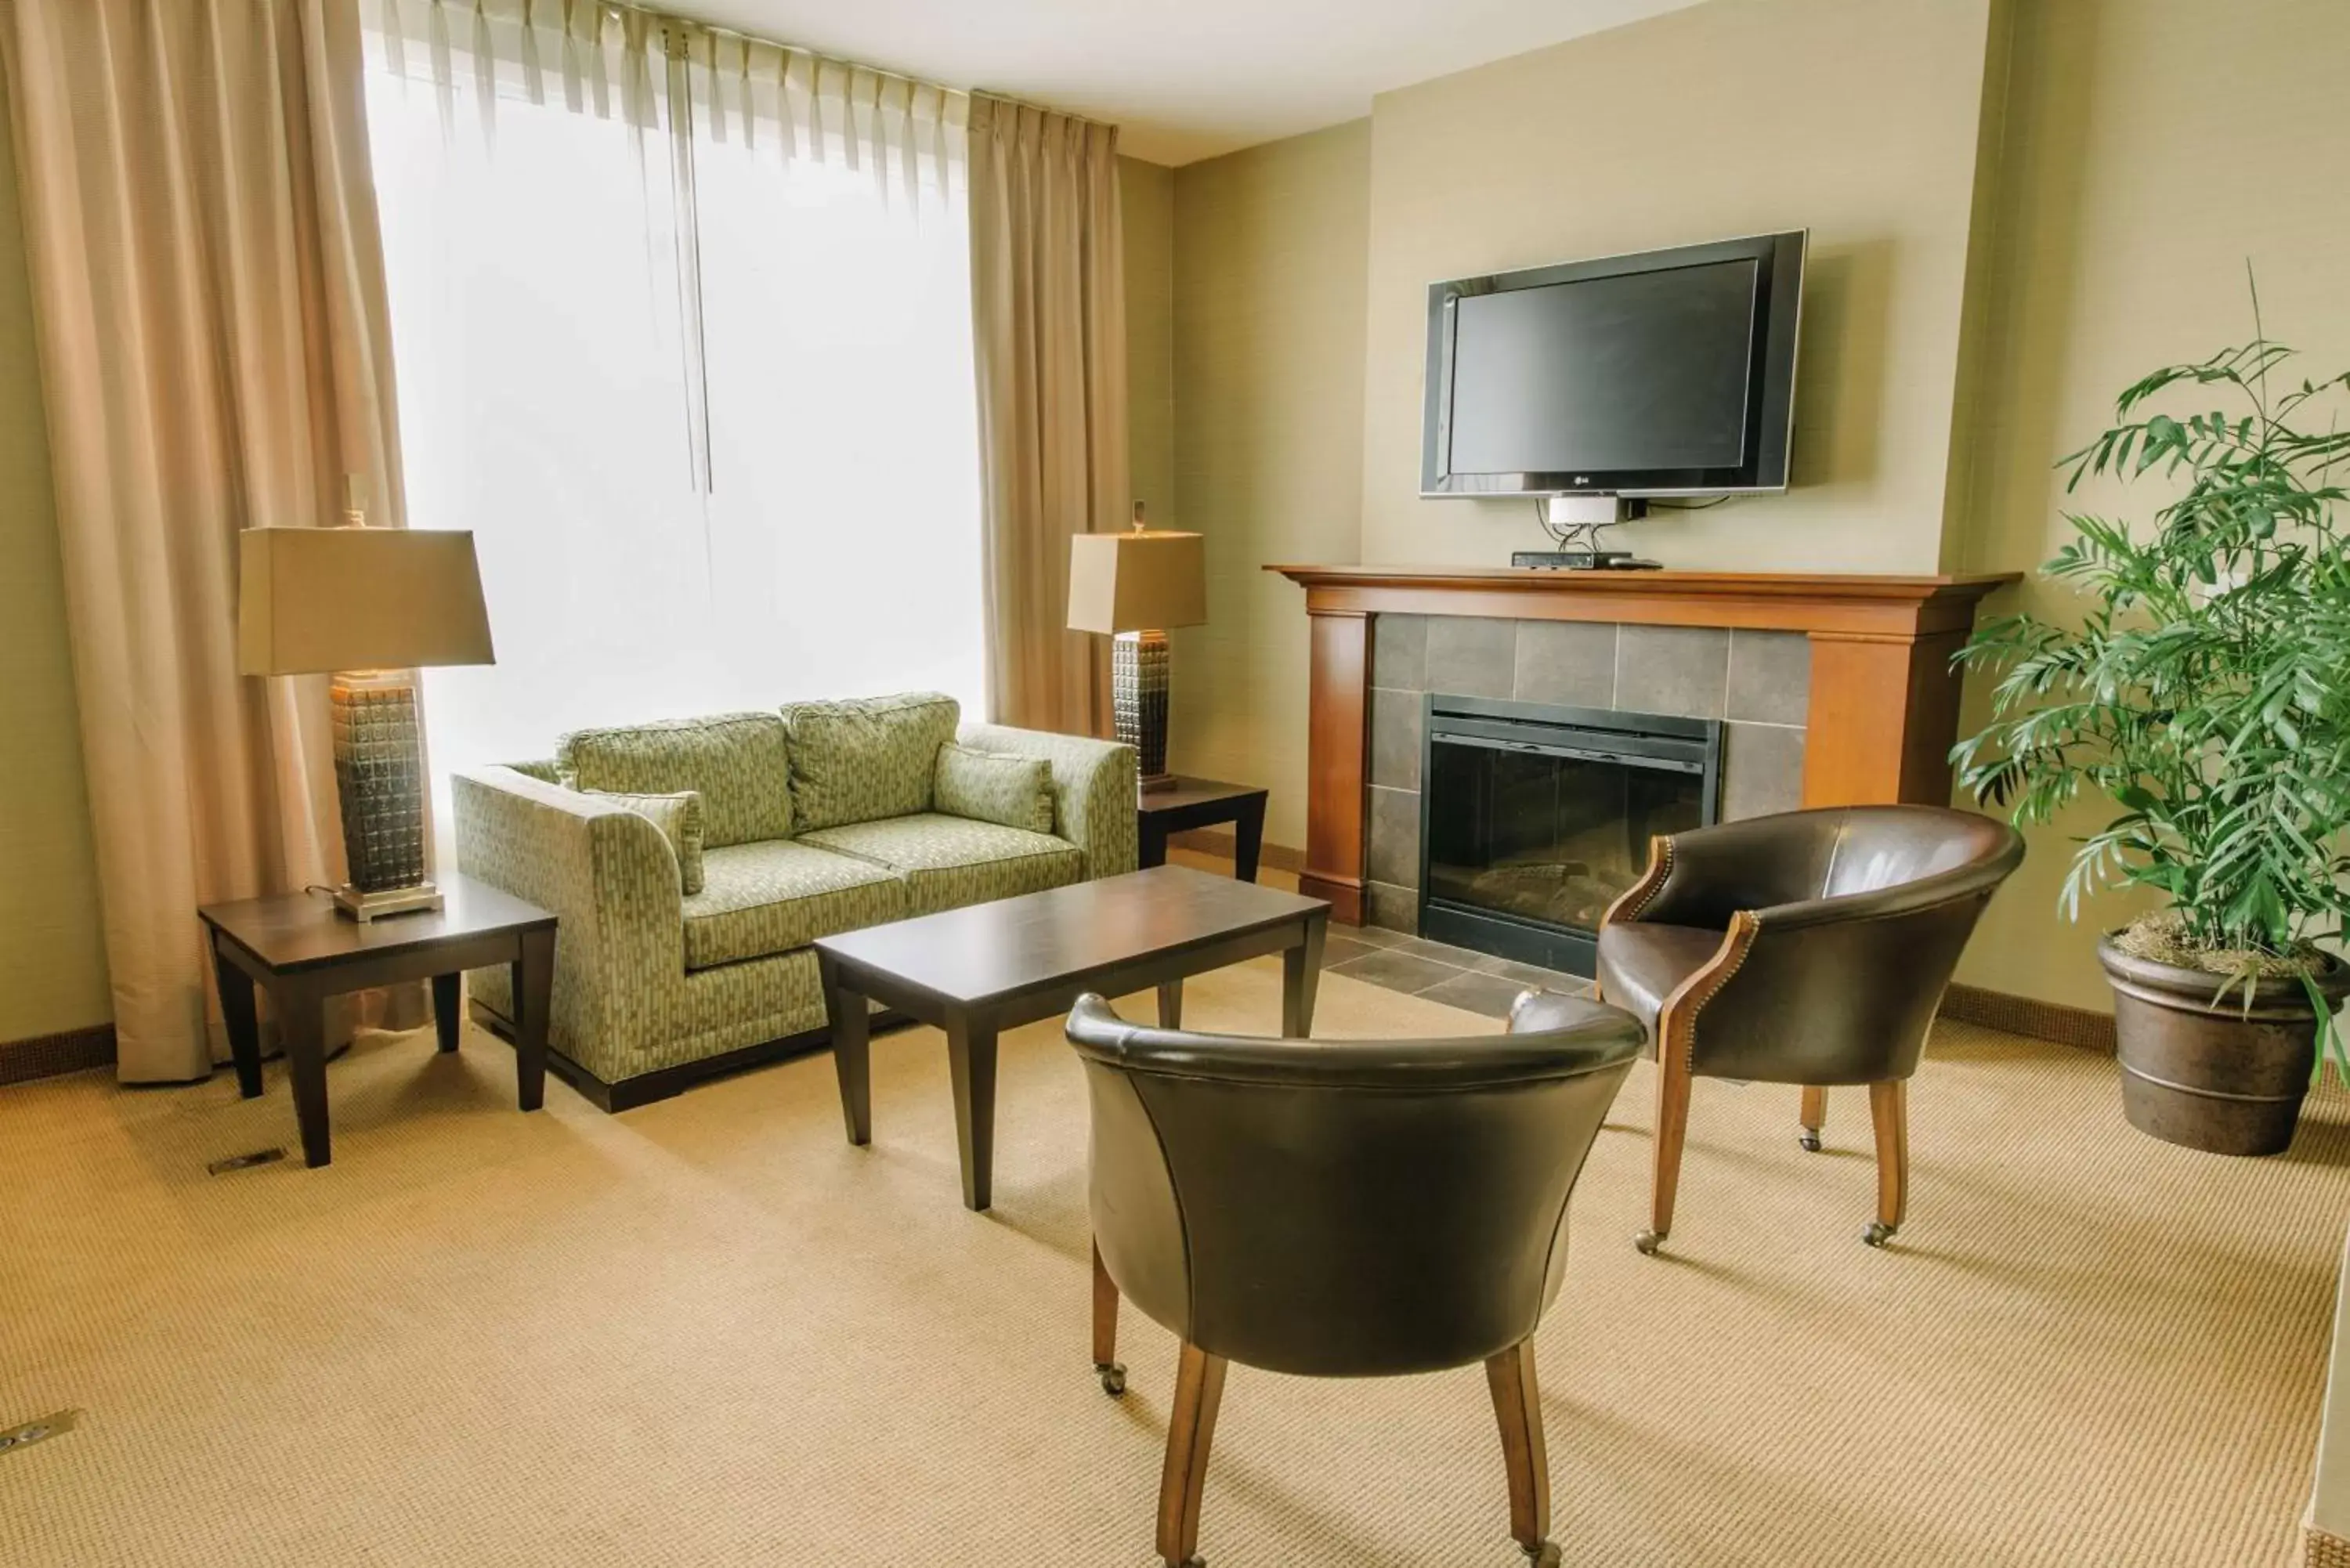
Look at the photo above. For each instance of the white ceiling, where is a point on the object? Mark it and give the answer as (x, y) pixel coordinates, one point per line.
(1185, 78)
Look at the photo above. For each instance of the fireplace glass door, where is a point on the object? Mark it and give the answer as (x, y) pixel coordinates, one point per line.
(1530, 834)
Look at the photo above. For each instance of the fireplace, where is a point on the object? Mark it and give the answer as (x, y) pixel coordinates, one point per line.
(1533, 818)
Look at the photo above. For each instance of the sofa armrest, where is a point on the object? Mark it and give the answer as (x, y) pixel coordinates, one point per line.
(1094, 790)
(611, 880)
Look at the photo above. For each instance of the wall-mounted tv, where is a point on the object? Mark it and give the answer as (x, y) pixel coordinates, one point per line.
(1666, 373)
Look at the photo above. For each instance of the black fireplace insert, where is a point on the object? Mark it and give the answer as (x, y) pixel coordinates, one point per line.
(1534, 817)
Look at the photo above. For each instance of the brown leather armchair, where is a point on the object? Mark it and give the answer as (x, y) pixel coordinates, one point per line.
(1809, 948)
(1343, 1208)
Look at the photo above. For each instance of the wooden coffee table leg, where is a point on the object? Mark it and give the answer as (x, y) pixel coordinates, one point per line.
(242, 1022)
(1170, 1004)
(1301, 978)
(302, 1025)
(971, 1059)
(533, 995)
(852, 1057)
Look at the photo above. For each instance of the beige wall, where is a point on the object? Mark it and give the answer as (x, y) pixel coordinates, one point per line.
(1855, 118)
(2152, 147)
(52, 962)
(2014, 213)
(1146, 201)
(1271, 247)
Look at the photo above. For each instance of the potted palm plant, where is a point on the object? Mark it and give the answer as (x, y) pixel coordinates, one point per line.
(2205, 693)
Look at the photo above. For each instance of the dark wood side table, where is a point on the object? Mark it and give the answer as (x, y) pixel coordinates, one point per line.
(980, 970)
(1203, 803)
(304, 951)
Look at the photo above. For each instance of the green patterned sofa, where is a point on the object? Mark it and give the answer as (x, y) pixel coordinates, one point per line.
(814, 819)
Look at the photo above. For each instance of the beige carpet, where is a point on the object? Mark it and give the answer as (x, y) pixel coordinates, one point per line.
(710, 1332)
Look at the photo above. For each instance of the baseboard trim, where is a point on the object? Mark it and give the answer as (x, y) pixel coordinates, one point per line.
(1219, 842)
(53, 1056)
(2054, 1021)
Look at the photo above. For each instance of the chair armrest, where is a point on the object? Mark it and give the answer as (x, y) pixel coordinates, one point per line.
(606, 872)
(1094, 790)
(1976, 879)
(1703, 876)
(1563, 1037)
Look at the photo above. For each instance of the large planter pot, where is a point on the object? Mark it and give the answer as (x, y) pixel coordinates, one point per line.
(2223, 1079)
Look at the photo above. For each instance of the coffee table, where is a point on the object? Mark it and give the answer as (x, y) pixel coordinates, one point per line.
(977, 972)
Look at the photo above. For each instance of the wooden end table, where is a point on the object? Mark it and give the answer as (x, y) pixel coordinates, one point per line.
(978, 971)
(1203, 803)
(303, 951)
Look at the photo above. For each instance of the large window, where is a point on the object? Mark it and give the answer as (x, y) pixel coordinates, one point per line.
(707, 407)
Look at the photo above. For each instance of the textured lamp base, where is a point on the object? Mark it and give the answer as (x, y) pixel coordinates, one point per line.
(1138, 672)
(380, 783)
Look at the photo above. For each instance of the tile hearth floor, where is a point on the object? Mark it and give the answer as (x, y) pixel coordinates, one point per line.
(1473, 981)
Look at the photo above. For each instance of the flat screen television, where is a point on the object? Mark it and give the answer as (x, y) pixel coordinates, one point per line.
(1666, 373)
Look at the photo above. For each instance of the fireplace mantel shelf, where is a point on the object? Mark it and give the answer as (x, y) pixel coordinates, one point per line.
(1883, 703)
(1852, 604)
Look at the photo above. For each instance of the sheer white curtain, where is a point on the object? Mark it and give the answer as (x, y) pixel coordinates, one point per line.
(683, 330)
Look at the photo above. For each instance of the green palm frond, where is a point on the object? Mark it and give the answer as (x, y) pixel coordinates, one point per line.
(2202, 689)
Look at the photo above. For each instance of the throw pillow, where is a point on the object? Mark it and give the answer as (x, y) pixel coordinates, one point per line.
(739, 762)
(995, 786)
(679, 817)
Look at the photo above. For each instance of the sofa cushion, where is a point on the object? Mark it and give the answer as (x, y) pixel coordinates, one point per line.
(739, 762)
(679, 817)
(865, 759)
(995, 786)
(779, 894)
(950, 861)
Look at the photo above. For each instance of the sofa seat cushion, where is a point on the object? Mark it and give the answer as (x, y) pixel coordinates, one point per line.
(738, 763)
(950, 861)
(781, 894)
(868, 758)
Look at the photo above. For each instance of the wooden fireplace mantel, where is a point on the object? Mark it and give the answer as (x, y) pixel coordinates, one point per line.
(1884, 698)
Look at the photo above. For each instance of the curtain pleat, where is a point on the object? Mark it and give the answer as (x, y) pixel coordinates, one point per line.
(214, 338)
(1048, 323)
(613, 60)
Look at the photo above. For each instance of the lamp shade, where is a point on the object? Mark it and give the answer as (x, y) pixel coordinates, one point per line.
(316, 599)
(1139, 581)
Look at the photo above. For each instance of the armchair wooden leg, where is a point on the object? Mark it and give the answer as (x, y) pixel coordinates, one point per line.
(1888, 1108)
(1672, 1128)
(1517, 1404)
(1106, 1367)
(1190, 1429)
(1815, 1116)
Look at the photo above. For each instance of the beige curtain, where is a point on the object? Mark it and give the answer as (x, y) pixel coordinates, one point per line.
(208, 287)
(1048, 325)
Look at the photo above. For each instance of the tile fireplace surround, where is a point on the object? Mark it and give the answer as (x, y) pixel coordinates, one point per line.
(1757, 680)
(1835, 690)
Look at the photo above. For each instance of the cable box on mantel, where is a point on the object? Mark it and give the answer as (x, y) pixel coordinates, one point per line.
(1582, 561)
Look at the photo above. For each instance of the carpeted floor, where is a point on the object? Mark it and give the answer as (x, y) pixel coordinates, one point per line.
(710, 1332)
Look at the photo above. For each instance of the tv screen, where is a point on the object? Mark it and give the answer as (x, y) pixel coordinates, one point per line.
(1670, 372)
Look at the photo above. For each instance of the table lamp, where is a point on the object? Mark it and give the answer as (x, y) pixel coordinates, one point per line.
(1135, 586)
(369, 605)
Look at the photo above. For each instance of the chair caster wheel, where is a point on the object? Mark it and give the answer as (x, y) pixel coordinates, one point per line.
(1648, 1241)
(1542, 1556)
(1112, 1376)
(1810, 1140)
(1877, 1234)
